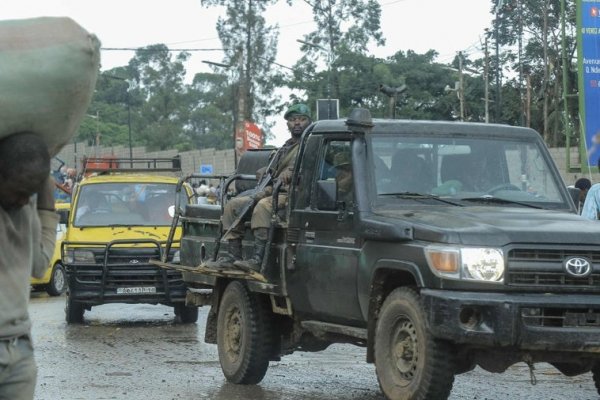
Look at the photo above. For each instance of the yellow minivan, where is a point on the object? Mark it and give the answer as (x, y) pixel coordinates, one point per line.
(120, 219)
(54, 282)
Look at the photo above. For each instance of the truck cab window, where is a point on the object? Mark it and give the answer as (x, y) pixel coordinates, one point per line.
(335, 177)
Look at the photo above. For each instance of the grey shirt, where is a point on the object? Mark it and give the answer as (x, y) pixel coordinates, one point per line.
(27, 238)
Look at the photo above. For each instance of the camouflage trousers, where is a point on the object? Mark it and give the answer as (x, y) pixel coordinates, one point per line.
(261, 214)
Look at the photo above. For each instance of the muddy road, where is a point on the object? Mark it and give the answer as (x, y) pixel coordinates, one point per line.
(137, 352)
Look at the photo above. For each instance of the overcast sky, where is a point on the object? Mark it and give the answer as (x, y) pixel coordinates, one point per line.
(447, 26)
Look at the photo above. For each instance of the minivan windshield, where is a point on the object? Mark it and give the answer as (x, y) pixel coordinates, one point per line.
(126, 204)
(465, 170)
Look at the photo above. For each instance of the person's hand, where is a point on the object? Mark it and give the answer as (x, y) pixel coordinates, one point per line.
(45, 197)
(261, 195)
(260, 173)
(285, 177)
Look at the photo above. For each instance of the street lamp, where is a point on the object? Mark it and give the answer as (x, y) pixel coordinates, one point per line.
(329, 62)
(392, 93)
(233, 113)
(128, 112)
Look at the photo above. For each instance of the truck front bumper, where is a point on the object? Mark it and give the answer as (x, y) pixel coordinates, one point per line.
(546, 322)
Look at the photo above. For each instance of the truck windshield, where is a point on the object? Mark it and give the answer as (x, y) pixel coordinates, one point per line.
(460, 168)
(126, 204)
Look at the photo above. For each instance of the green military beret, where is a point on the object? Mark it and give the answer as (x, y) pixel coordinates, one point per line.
(298, 109)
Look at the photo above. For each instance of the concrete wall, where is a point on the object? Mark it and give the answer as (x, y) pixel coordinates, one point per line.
(222, 161)
(559, 154)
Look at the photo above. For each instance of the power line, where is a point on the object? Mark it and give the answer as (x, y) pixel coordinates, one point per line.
(151, 50)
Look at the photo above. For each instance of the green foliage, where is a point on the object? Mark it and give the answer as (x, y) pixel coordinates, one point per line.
(343, 26)
(250, 50)
(149, 96)
(537, 23)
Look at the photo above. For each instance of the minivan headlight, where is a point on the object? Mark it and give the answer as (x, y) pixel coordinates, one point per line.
(73, 256)
(484, 264)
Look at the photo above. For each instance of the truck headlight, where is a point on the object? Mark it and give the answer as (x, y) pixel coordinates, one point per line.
(469, 263)
(78, 256)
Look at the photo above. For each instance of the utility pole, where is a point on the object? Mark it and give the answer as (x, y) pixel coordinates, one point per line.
(520, 17)
(565, 76)
(235, 116)
(461, 87)
(486, 78)
(498, 68)
(528, 103)
(329, 54)
(241, 114)
(128, 113)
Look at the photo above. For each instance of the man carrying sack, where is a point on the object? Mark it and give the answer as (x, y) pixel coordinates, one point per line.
(49, 68)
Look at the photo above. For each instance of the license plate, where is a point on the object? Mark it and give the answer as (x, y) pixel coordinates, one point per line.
(136, 290)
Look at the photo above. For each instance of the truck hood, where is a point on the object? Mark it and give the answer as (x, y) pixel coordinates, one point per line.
(105, 235)
(495, 225)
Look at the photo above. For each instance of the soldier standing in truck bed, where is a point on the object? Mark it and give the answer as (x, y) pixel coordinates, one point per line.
(298, 118)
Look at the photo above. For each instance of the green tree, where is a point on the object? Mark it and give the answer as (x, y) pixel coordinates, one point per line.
(343, 28)
(158, 79)
(250, 47)
(536, 24)
(106, 122)
(210, 119)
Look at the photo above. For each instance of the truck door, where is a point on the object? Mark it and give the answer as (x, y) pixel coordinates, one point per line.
(322, 278)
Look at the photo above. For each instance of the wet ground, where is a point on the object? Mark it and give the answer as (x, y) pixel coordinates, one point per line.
(137, 352)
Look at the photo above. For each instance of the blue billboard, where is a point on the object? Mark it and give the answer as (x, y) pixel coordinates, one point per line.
(589, 77)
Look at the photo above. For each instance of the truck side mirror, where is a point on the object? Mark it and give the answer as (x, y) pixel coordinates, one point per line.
(63, 217)
(326, 195)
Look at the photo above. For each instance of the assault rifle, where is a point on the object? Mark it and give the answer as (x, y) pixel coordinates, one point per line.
(253, 199)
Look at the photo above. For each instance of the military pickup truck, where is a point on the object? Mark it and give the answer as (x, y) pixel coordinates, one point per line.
(457, 245)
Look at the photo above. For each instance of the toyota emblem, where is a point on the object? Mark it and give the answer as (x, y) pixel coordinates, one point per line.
(578, 267)
(134, 261)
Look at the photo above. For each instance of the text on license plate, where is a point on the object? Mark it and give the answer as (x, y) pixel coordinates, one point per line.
(134, 290)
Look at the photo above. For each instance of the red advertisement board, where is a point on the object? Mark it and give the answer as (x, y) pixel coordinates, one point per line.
(248, 136)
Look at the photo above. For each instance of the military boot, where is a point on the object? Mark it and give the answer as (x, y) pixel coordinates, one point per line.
(226, 260)
(254, 263)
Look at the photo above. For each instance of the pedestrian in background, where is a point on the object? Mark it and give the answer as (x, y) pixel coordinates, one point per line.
(584, 185)
(27, 235)
(591, 205)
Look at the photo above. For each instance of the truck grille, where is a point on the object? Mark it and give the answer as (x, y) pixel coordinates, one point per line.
(127, 267)
(561, 318)
(544, 268)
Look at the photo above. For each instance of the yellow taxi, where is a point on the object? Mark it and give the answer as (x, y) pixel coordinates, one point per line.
(54, 281)
(120, 219)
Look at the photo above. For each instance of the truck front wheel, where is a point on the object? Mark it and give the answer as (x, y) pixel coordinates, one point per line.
(244, 335)
(410, 363)
(73, 311)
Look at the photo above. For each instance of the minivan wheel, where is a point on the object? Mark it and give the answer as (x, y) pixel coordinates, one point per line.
(58, 281)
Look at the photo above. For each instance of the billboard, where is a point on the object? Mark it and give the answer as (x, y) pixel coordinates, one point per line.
(588, 50)
(247, 136)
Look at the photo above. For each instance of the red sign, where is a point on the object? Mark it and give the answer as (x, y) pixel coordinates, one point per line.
(248, 136)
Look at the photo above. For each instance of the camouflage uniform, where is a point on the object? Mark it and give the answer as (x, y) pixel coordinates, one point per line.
(298, 118)
(261, 215)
